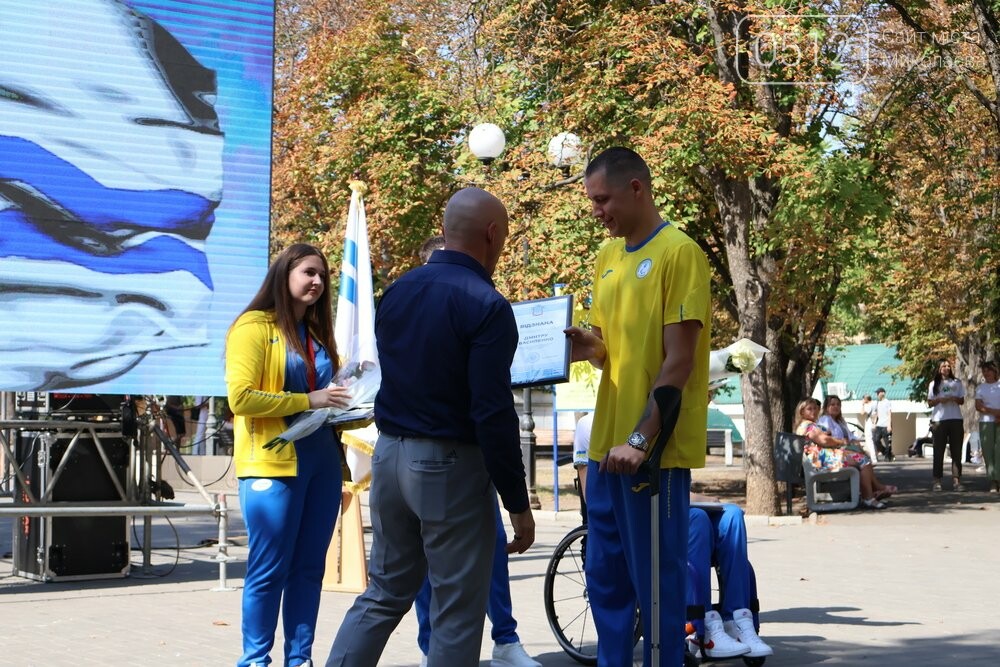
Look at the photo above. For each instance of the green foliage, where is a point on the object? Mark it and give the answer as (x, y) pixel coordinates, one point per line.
(370, 105)
(885, 225)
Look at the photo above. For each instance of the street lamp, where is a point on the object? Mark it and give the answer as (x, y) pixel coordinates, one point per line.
(486, 142)
(564, 151)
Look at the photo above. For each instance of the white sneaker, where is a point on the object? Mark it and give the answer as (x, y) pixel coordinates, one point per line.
(512, 655)
(717, 644)
(741, 628)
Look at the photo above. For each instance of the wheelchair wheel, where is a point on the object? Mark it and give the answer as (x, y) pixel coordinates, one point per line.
(567, 605)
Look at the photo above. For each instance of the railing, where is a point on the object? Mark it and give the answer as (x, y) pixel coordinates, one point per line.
(139, 496)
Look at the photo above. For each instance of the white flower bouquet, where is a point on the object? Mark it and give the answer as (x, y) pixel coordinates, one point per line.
(363, 379)
(741, 357)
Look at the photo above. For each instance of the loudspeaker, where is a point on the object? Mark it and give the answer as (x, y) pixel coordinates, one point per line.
(71, 547)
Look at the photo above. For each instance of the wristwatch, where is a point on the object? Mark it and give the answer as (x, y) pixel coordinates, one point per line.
(638, 441)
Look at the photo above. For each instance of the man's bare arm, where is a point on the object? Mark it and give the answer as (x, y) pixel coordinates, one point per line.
(680, 341)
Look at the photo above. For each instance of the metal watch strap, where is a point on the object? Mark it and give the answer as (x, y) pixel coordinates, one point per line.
(637, 440)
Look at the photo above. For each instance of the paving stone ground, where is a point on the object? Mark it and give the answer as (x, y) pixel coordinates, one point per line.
(917, 585)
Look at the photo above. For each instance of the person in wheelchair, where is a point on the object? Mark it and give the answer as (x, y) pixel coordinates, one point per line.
(717, 536)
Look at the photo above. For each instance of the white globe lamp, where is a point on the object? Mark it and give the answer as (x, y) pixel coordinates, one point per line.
(564, 150)
(486, 141)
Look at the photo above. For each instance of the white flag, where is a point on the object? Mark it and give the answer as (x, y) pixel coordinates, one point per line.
(354, 332)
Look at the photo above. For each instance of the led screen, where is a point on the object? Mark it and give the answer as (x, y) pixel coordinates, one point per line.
(134, 189)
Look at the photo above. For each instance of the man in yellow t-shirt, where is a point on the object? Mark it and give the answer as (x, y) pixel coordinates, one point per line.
(651, 333)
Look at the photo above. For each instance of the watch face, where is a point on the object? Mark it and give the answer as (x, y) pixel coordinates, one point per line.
(637, 439)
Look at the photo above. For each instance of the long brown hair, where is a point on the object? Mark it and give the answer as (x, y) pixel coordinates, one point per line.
(273, 296)
(939, 376)
(840, 420)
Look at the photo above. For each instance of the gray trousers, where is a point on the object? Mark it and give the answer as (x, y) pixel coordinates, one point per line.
(432, 515)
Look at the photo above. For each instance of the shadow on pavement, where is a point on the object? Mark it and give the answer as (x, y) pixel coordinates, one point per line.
(194, 571)
(925, 652)
(913, 477)
(822, 615)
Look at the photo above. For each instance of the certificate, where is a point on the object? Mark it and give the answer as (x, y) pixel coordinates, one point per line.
(542, 355)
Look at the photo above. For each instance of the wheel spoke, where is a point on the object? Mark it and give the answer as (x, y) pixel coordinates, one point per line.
(571, 597)
(567, 604)
(574, 577)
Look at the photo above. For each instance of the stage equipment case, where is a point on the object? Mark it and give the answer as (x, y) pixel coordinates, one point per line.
(72, 547)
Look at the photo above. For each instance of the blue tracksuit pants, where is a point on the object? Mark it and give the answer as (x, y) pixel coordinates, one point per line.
(499, 608)
(290, 521)
(618, 562)
(721, 538)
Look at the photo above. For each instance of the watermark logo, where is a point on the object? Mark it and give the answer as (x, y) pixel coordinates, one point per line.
(803, 49)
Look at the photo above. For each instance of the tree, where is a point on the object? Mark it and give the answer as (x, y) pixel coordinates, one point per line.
(935, 128)
(373, 100)
(738, 157)
(737, 145)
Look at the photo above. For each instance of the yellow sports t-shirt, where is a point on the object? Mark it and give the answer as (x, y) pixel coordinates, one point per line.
(638, 291)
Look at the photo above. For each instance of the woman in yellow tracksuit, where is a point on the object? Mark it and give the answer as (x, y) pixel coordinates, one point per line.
(280, 358)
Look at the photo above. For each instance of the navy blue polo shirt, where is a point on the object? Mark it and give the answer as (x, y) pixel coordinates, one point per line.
(446, 339)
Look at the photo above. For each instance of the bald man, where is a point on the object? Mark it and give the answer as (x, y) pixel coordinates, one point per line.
(448, 434)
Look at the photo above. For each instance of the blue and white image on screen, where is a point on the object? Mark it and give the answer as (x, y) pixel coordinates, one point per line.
(111, 176)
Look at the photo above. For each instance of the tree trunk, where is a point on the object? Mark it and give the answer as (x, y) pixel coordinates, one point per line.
(762, 388)
(763, 412)
(970, 353)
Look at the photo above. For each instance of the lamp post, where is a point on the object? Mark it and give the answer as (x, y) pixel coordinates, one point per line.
(486, 142)
(563, 152)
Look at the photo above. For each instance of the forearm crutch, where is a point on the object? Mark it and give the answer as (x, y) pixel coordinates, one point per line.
(668, 399)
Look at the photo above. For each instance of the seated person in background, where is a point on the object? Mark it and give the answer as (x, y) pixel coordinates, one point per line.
(917, 448)
(829, 453)
(720, 537)
(833, 421)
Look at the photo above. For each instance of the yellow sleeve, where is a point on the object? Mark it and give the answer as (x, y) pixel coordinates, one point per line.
(687, 286)
(252, 387)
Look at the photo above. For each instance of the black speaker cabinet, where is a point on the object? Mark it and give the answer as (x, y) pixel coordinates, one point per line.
(71, 547)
